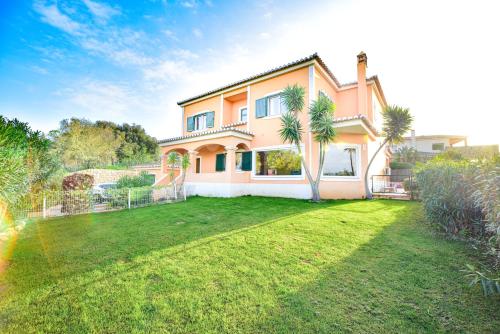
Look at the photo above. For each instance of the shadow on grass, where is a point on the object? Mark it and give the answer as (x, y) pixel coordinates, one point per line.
(50, 251)
(405, 279)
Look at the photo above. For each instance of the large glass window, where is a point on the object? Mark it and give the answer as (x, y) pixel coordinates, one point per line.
(341, 160)
(200, 122)
(277, 162)
(276, 105)
(239, 160)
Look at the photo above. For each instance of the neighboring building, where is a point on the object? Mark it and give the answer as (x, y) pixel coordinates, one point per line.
(231, 134)
(431, 143)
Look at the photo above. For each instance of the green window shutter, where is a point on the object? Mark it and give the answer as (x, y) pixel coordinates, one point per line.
(220, 162)
(261, 108)
(210, 119)
(190, 124)
(246, 161)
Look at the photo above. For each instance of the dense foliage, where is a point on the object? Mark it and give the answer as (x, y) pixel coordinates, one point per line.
(136, 145)
(142, 180)
(463, 198)
(406, 155)
(84, 144)
(78, 182)
(78, 198)
(401, 165)
(25, 160)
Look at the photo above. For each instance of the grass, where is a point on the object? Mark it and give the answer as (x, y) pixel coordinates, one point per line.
(242, 265)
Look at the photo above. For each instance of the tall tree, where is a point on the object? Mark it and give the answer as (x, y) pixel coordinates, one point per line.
(321, 124)
(81, 143)
(25, 160)
(396, 122)
(136, 146)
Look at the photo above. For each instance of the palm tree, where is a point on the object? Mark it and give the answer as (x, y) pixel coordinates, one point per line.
(172, 161)
(321, 123)
(351, 151)
(185, 163)
(397, 121)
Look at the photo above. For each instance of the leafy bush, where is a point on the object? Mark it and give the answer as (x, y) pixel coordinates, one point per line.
(406, 154)
(77, 197)
(463, 197)
(78, 182)
(142, 180)
(490, 286)
(401, 165)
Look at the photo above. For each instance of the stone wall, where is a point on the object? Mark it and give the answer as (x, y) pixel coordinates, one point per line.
(108, 175)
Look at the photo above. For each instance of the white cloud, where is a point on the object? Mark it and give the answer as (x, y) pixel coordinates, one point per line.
(265, 35)
(184, 54)
(167, 70)
(39, 70)
(116, 53)
(189, 4)
(53, 16)
(101, 11)
(197, 33)
(170, 34)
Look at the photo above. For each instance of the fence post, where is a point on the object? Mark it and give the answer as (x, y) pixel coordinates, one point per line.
(129, 198)
(44, 207)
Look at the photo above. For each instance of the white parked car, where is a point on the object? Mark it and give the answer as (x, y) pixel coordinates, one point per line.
(101, 190)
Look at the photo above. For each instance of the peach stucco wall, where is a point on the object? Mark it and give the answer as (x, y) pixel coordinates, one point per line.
(210, 104)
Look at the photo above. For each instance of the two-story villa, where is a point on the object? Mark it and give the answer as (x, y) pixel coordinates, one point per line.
(231, 135)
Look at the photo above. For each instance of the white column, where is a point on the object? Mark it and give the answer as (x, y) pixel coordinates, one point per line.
(249, 108)
(312, 94)
(221, 110)
(192, 159)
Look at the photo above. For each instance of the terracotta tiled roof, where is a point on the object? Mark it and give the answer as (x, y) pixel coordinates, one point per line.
(276, 69)
(358, 116)
(203, 133)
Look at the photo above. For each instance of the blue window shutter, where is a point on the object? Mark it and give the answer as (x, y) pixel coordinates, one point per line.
(246, 161)
(220, 162)
(190, 124)
(261, 108)
(210, 119)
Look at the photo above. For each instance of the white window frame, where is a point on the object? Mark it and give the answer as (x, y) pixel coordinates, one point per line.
(345, 177)
(269, 106)
(254, 176)
(197, 114)
(239, 113)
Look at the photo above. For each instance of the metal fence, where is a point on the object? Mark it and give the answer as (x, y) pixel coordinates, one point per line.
(397, 184)
(62, 203)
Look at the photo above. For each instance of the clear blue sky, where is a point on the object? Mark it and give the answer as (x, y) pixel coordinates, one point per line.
(131, 61)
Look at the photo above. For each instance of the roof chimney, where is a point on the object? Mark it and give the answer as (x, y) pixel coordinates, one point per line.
(362, 88)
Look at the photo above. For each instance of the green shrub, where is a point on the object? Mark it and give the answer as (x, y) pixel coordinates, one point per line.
(463, 197)
(142, 180)
(401, 165)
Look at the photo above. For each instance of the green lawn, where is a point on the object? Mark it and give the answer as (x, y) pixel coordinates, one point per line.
(242, 265)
